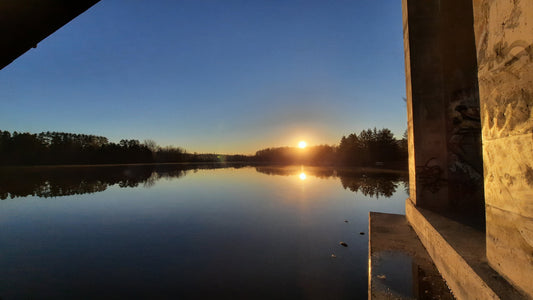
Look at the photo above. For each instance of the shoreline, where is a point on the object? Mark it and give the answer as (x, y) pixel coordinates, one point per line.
(251, 164)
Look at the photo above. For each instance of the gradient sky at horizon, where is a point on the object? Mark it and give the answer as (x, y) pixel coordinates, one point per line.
(214, 76)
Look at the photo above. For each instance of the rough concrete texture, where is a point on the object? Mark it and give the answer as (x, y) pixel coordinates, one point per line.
(400, 267)
(508, 165)
(458, 252)
(509, 245)
(504, 37)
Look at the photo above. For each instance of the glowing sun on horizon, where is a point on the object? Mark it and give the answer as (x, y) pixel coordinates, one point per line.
(302, 144)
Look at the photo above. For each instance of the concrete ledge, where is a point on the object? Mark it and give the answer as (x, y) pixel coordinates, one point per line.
(459, 253)
(399, 266)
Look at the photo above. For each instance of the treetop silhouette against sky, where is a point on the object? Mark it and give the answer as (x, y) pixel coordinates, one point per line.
(214, 76)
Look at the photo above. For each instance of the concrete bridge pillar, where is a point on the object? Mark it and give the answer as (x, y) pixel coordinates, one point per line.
(469, 73)
(504, 38)
(445, 165)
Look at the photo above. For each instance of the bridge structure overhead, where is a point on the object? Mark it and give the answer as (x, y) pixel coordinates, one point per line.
(25, 23)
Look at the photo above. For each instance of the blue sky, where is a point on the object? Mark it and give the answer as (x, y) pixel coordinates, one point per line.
(214, 76)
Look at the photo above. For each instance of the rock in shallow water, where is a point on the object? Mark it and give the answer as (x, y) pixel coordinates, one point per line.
(343, 244)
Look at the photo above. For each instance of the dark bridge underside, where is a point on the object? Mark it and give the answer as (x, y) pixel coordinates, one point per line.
(24, 23)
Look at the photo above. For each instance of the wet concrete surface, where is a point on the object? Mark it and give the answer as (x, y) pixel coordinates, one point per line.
(399, 266)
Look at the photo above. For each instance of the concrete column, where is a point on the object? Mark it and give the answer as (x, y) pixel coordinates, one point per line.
(504, 36)
(445, 165)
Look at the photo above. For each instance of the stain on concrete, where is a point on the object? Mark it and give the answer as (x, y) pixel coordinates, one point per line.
(430, 175)
(465, 165)
(393, 271)
(514, 17)
(509, 179)
(528, 175)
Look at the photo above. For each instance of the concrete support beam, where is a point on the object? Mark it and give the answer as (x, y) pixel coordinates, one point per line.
(445, 167)
(25, 23)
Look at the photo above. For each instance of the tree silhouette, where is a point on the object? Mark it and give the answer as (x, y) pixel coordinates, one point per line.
(367, 148)
(60, 148)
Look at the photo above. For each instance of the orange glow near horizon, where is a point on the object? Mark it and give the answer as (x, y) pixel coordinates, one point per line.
(302, 144)
(302, 176)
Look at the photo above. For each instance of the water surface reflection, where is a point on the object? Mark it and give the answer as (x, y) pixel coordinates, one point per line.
(188, 231)
(65, 181)
(374, 183)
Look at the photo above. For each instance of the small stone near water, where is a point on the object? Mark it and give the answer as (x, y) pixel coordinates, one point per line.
(345, 221)
(333, 256)
(361, 233)
(343, 244)
(381, 276)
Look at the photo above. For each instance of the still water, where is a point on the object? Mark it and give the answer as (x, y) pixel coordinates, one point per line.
(189, 232)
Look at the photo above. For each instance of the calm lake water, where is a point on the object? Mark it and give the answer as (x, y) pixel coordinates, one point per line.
(185, 232)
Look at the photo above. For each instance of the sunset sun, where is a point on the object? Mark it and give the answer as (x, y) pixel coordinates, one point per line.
(302, 144)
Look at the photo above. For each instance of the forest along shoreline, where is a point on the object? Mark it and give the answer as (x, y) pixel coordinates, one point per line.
(371, 148)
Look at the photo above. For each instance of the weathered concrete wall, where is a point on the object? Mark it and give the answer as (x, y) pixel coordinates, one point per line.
(444, 126)
(504, 37)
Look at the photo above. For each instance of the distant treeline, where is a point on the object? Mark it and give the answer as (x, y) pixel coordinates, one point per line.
(370, 147)
(58, 148)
